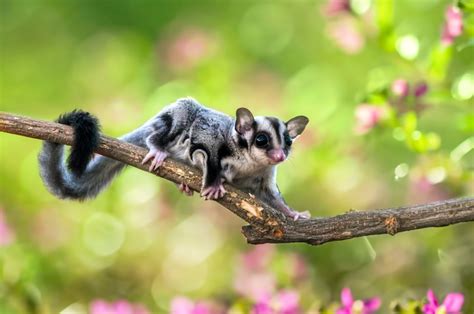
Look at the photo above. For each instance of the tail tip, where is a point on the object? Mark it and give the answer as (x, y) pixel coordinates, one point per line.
(86, 139)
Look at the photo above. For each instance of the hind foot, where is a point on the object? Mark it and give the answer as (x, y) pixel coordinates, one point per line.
(213, 191)
(185, 189)
(294, 214)
(158, 157)
(300, 215)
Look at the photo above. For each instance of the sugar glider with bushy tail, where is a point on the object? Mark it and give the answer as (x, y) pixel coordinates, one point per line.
(243, 151)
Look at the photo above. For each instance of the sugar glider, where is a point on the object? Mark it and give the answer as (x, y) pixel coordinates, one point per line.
(243, 151)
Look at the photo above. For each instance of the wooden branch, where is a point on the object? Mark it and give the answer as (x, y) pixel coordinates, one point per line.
(266, 224)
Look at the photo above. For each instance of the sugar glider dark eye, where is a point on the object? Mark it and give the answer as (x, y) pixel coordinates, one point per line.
(288, 140)
(261, 140)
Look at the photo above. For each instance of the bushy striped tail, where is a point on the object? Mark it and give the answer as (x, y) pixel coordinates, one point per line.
(85, 175)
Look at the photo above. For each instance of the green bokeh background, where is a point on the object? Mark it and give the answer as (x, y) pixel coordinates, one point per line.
(143, 241)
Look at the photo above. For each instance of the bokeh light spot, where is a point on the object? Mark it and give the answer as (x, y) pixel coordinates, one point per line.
(462, 149)
(401, 171)
(75, 308)
(103, 234)
(360, 6)
(398, 134)
(408, 46)
(186, 245)
(463, 88)
(436, 175)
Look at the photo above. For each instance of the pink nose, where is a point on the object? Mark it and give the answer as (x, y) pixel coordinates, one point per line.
(276, 155)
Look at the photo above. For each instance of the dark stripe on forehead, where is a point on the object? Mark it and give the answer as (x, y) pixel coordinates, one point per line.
(223, 152)
(243, 143)
(276, 126)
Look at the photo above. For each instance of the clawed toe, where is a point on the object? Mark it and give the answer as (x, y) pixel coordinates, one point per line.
(184, 188)
(158, 158)
(302, 215)
(213, 192)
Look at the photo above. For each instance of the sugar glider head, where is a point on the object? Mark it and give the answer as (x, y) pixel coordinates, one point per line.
(267, 140)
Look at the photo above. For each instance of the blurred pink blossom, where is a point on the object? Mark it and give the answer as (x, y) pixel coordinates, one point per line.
(299, 267)
(6, 233)
(421, 89)
(254, 284)
(116, 307)
(452, 25)
(188, 48)
(283, 302)
(182, 305)
(400, 88)
(252, 278)
(336, 7)
(259, 257)
(349, 306)
(452, 304)
(421, 190)
(345, 33)
(367, 116)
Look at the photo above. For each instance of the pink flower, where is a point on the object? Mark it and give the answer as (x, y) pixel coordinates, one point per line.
(400, 88)
(258, 257)
(299, 269)
(452, 25)
(252, 279)
(284, 302)
(6, 233)
(422, 190)
(421, 89)
(346, 35)
(349, 306)
(336, 7)
(452, 304)
(188, 48)
(182, 305)
(367, 116)
(117, 307)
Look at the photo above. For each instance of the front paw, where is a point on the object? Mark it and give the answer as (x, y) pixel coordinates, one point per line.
(213, 191)
(158, 157)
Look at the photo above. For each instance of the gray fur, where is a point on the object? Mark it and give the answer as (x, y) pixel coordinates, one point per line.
(100, 171)
(223, 147)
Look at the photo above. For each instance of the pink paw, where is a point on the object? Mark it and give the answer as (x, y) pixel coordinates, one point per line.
(297, 215)
(184, 188)
(213, 192)
(158, 158)
(294, 214)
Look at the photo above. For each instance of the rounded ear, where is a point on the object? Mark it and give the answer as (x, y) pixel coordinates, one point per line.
(243, 120)
(296, 126)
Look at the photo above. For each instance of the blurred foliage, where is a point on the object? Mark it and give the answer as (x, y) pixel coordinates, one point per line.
(369, 145)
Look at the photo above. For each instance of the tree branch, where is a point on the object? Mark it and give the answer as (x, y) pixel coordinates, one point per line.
(266, 224)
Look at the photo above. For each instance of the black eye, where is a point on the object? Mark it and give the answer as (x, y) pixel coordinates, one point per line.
(288, 140)
(261, 140)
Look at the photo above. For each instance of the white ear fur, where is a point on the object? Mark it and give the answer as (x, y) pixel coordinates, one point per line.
(296, 126)
(243, 120)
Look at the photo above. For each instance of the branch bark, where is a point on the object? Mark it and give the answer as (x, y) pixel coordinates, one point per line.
(266, 224)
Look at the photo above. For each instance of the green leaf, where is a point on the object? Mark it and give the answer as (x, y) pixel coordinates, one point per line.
(433, 141)
(465, 45)
(468, 24)
(377, 99)
(384, 19)
(440, 59)
(384, 14)
(466, 5)
(409, 122)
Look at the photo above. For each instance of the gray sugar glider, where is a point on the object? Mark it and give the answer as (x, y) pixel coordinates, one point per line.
(243, 151)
